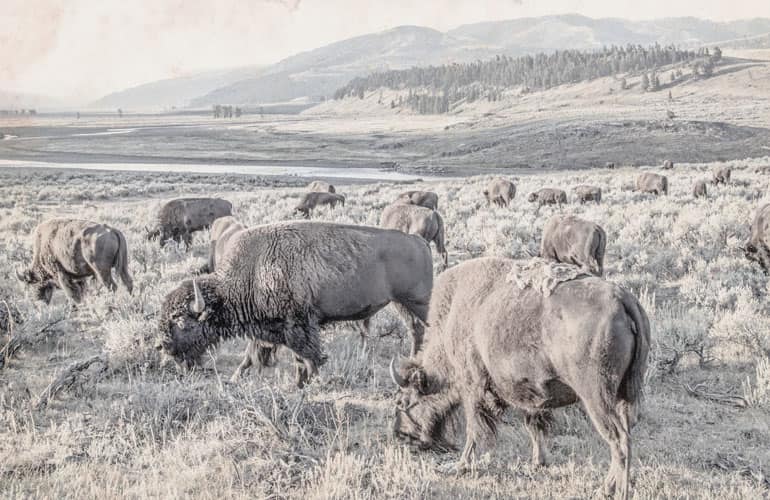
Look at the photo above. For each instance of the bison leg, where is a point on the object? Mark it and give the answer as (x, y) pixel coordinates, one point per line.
(71, 288)
(104, 277)
(537, 426)
(304, 340)
(414, 315)
(243, 367)
(611, 421)
(479, 429)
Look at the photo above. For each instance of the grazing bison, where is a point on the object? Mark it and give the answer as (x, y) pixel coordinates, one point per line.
(571, 240)
(610, 165)
(310, 201)
(221, 231)
(500, 192)
(652, 183)
(68, 251)
(722, 175)
(588, 193)
(758, 246)
(668, 165)
(492, 344)
(699, 189)
(413, 219)
(321, 187)
(427, 199)
(178, 219)
(280, 283)
(548, 196)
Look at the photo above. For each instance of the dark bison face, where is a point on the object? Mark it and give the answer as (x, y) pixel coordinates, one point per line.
(44, 292)
(532, 197)
(184, 332)
(419, 414)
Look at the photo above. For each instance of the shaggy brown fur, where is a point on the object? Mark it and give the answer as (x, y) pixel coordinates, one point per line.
(652, 183)
(310, 201)
(588, 193)
(279, 283)
(722, 176)
(548, 196)
(491, 345)
(500, 192)
(178, 219)
(414, 219)
(572, 240)
(758, 247)
(699, 189)
(427, 199)
(68, 251)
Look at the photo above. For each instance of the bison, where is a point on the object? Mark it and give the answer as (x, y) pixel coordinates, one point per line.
(652, 183)
(610, 165)
(668, 165)
(221, 231)
(500, 192)
(699, 189)
(588, 193)
(310, 201)
(572, 240)
(280, 283)
(413, 219)
(491, 345)
(68, 251)
(427, 199)
(548, 196)
(178, 219)
(758, 247)
(321, 187)
(722, 176)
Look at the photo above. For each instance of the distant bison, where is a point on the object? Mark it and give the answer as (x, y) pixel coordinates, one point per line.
(280, 283)
(178, 219)
(492, 345)
(310, 201)
(427, 199)
(68, 251)
(321, 187)
(758, 247)
(610, 165)
(571, 240)
(762, 170)
(699, 189)
(588, 193)
(500, 192)
(668, 165)
(413, 219)
(652, 183)
(548, 196)
(722, 175)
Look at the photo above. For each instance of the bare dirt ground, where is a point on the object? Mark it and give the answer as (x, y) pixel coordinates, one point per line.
(125, 427)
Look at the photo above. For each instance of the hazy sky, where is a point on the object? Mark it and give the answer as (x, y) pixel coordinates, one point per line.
(85, 48)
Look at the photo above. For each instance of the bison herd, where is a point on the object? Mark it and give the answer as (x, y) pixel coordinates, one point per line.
(585, 340)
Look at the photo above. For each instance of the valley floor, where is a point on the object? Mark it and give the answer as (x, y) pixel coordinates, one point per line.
(126, 427)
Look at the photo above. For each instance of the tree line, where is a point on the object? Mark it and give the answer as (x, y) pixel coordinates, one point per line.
(434, 89)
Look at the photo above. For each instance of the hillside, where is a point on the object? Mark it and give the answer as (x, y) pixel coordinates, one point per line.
(321, 71)
(174, 92)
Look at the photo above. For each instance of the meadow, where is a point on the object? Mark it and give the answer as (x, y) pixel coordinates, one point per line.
(122, 425)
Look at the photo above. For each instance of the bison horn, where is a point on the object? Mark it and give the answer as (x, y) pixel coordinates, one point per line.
(199, 305)
(397, 378)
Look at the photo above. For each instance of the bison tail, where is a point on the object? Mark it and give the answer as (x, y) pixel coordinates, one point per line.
(632, 386)
(121, 262)
(596, 255)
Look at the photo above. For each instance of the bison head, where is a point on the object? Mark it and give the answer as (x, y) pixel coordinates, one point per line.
(43, 287)
(532, 197)
(151, 234)
(422, 407)
(186, 322)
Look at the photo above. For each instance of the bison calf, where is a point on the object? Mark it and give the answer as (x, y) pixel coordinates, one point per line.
(588, 193)
(571, 240)
(722, 176)
(68, 251)
(699, 189)
(548, 196)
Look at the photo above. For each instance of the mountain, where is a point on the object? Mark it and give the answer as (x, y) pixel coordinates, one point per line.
(320, 72)
(176, 92)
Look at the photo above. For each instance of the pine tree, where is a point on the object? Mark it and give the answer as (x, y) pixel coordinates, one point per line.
(645, 84)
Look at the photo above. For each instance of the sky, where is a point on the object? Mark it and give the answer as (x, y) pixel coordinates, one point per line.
(82, 49)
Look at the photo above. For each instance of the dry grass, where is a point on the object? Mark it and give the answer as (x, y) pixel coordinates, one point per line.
(128, 427)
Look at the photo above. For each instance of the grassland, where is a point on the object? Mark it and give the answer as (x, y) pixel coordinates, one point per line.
(126, 427)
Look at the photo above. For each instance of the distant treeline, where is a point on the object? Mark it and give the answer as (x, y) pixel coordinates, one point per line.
(434, 89)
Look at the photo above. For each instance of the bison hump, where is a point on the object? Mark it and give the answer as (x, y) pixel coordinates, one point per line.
(543, 275)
